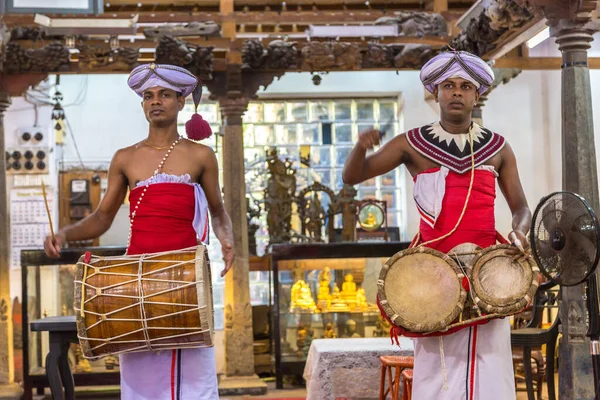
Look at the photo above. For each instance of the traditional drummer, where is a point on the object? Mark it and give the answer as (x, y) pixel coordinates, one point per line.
(475, 362)
(174, 186)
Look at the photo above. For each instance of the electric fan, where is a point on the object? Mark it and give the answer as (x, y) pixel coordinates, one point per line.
(565, 243)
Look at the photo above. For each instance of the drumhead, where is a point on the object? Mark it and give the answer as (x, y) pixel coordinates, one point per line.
(420, 290)
(502, 285)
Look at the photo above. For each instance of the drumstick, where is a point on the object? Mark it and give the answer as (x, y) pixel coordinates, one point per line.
(47, 209)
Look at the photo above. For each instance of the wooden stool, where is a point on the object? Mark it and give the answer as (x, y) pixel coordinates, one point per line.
(399, 363)
(407, 376)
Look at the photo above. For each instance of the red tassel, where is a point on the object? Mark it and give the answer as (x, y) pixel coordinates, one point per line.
(197, 128)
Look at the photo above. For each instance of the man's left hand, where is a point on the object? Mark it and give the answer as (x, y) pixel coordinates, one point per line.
(228, 256)
(520, 241)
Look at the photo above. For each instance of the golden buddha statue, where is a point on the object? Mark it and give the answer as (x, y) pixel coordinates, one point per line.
(362, 304)
(349, 290)
(302, 299)
(338, 304)
(324, 295)
(329, 331)
(361, 300)
(371, 221)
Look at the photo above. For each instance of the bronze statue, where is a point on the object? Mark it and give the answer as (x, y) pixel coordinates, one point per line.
(279, 195)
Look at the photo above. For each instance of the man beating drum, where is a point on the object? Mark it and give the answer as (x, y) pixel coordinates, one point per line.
(174, 185)
(455, 163)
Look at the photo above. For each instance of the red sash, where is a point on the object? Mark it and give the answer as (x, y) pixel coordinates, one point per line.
(163, 221)
(478, 225)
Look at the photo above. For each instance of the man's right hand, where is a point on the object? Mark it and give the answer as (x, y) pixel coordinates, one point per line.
(369, 139)
(52, 246)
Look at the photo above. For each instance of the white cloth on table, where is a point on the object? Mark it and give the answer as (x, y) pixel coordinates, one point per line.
(348, 368)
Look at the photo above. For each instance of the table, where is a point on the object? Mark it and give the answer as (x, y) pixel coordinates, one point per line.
(62, 332)
(348, 368)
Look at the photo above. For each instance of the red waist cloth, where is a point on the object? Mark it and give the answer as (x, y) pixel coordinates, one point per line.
(478, 225)
(163, 221)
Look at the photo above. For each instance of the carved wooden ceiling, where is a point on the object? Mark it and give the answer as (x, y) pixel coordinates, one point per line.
(208, 35)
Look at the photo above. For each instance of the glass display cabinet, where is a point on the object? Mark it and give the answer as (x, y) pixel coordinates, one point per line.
(324, 291)
(48, 290)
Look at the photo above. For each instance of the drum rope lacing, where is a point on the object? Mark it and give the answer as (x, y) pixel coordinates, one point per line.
(135, 260)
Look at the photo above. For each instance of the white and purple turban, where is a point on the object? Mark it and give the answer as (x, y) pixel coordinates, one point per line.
(457, 64)
(172, 77)
(179, 79)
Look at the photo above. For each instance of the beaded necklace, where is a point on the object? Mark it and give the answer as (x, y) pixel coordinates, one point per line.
(156, 171)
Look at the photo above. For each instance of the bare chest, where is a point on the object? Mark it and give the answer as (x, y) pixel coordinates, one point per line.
(143, 163)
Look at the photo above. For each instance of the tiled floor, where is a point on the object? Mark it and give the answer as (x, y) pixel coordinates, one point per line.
(272, 393)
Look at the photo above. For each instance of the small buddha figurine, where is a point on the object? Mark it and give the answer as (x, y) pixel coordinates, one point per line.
(361, 300)
(338, 304)
(371, 221)
(329, 332)
(301, 335)
(302, 299)
(324, 295)
(349, 290)
(351, 330)
(295, 294)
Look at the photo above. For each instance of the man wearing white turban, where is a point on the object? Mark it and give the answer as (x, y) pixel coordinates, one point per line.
(455, 164)
(174, 186)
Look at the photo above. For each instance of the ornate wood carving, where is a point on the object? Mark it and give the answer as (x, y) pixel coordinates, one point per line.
(416, 24)
(253, 213)
(4, 38)
(253, 53)
(345, 202)
(53, 57)
(323, 56)
(378, 56)
(196, 59)
(281, 55)
(103, 58)
(312, 214)
(279, 196)
(196, 28)
(413, 56)
(482, 32)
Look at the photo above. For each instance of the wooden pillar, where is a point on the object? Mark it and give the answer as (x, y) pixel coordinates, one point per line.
(233, 100)
(6, 329)
(239, 356)
(10, 86)
(567, 20)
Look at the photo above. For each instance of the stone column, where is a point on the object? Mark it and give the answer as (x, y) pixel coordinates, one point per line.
(6, 329)
(239, 354)
(579, 176)
(477, 113)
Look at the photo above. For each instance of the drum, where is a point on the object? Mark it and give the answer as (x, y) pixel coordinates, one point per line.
(146, 302)
(420, 289)
(424, 291)
(502, 285)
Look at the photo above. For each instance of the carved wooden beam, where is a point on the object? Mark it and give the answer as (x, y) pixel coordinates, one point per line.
(538, 63)
(498, 29)
(17, 85)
